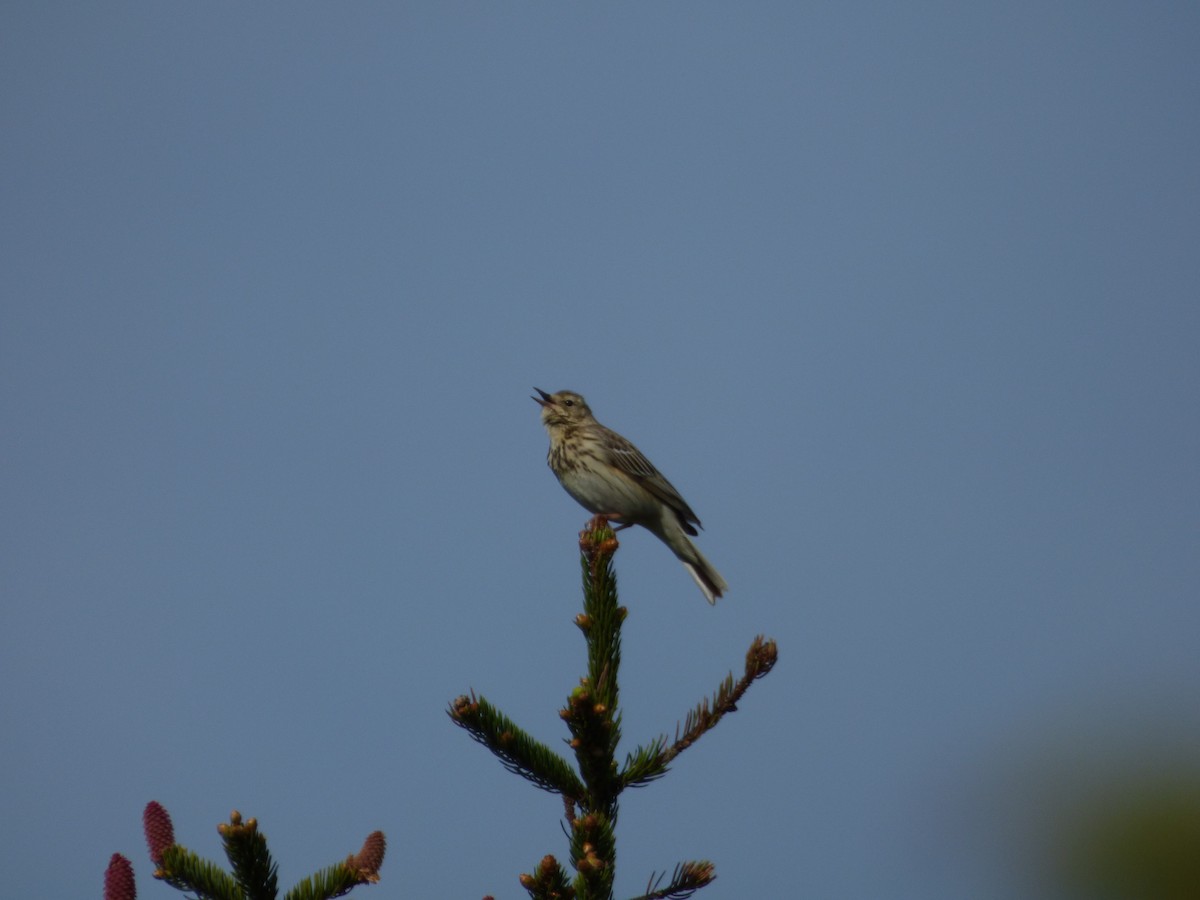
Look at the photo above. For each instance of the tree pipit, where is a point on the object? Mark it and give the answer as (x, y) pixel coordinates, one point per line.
(610, 477)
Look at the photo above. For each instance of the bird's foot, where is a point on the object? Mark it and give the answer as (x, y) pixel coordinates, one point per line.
(600, 520)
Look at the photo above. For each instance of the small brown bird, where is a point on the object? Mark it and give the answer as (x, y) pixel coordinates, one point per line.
(610, 477)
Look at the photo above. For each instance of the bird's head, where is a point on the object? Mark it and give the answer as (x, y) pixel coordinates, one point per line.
(562, 408)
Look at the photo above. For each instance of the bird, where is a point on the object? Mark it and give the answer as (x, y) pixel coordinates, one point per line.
(607, 475)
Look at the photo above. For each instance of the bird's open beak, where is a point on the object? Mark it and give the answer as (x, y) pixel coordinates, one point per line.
(545, 399)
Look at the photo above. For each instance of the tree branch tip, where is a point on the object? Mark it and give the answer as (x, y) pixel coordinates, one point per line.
(462, 705)
(761, 657)
(597, 540)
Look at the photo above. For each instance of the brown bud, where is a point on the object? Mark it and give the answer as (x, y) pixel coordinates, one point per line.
(761, 657)
(464, 706)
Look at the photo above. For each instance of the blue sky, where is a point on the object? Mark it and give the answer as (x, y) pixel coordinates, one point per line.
(903, 298)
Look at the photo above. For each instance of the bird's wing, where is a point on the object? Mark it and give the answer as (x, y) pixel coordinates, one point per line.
(630, 460)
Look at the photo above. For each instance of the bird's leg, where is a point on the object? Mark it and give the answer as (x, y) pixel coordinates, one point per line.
(602, 519)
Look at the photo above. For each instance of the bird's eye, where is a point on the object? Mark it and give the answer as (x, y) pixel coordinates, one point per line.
(568, 403)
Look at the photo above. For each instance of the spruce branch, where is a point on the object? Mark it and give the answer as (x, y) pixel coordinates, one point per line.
(361, 868)
(185, 871)
(646, 765)
(602, 614)
(333, 881)
(246, 849)
(594, 736)
(594, 850)
(254, 874)
(336, 880)
(687, 878)
(180, 867)
(516, 749)
(591, 712)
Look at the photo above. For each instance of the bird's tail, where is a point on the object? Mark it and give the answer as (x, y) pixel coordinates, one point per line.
(707, 578)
